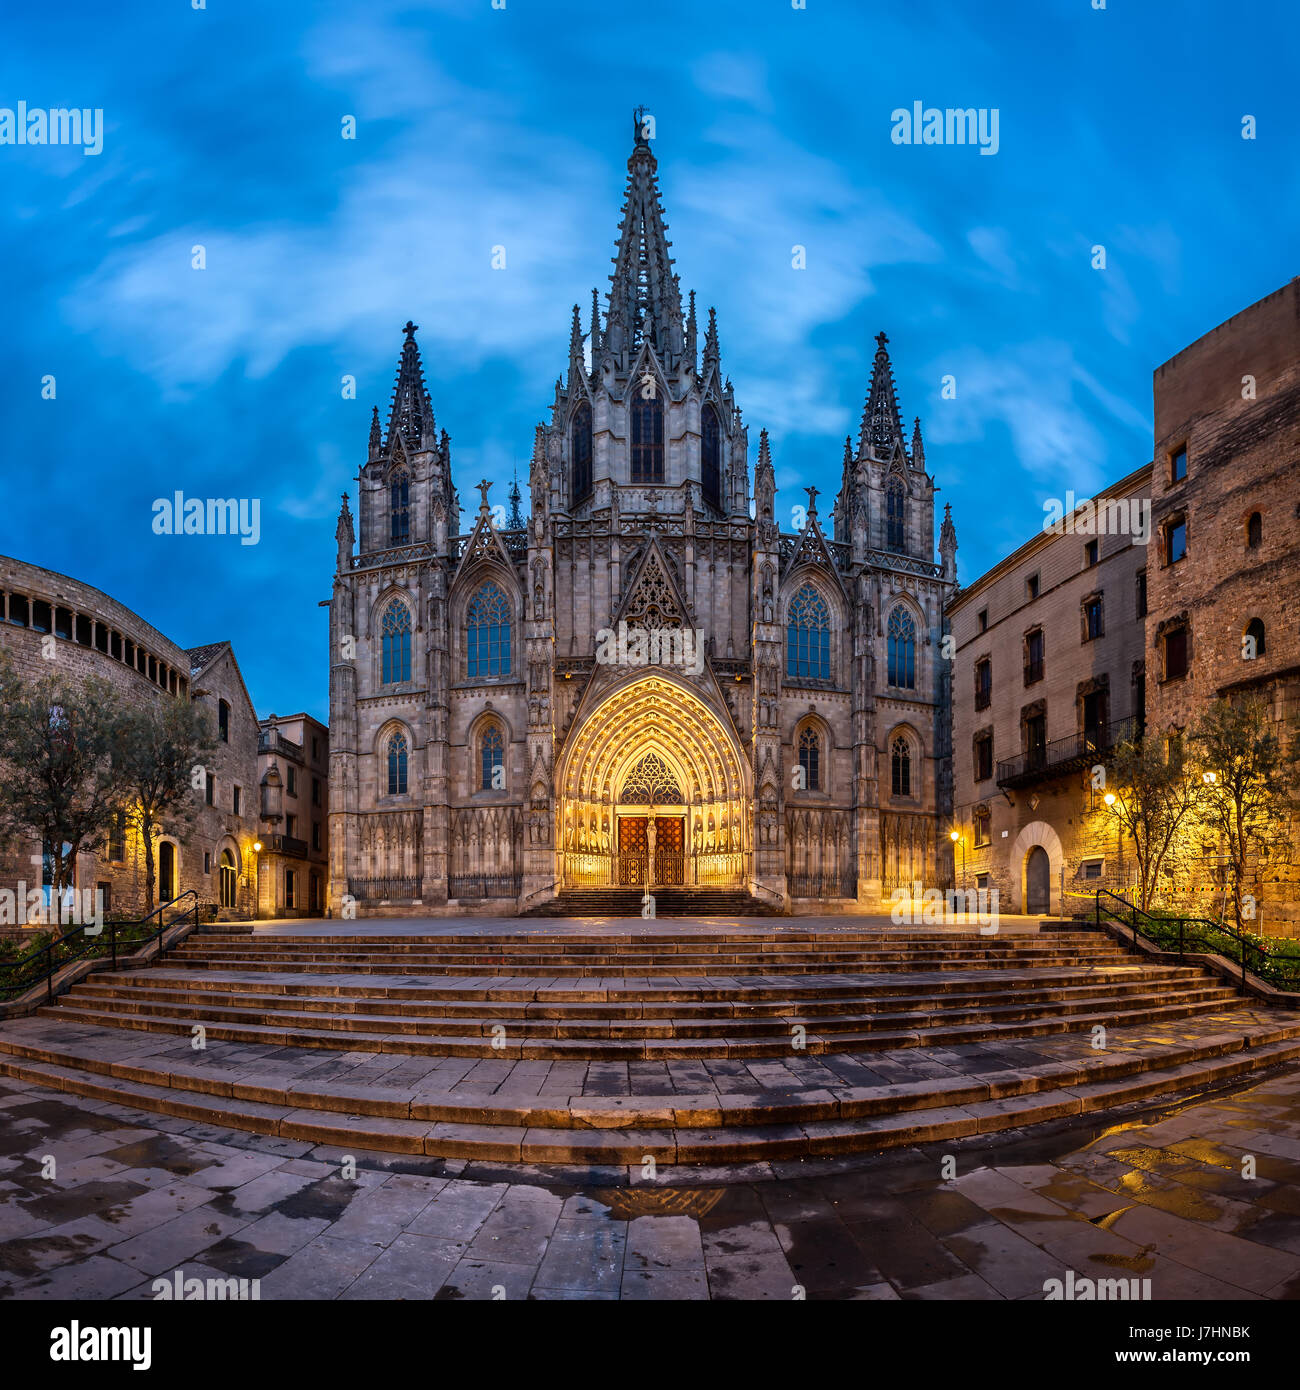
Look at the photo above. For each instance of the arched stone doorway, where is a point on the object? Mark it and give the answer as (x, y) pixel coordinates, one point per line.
(1038, 881)
(229, 879)
(1037, 835)
(653, 791)
(166, 871)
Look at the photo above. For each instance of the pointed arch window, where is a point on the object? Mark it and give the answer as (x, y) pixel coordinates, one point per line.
(491, 756)
(400, 507)
(808, 636)
(397, 760)
(810, 752)
(711, 458)
(580, 451)
(895, 516)
(487, 634)
(900, 767)
(647, 437)
(902, 650)
(395, 633)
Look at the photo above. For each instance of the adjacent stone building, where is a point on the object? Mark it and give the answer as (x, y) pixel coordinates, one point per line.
(1207, 608)
(293, 863)
(643, 680)
(1050, 673)
(1224, 582)
(88, 633)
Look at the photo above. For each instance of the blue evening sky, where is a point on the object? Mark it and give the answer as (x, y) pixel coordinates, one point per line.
(479, 127)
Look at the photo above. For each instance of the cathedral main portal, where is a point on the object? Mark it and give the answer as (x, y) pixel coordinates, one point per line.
(654, 793)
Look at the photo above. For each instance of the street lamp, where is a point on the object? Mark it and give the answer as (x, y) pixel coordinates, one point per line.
(1209, 778)
(955, 837)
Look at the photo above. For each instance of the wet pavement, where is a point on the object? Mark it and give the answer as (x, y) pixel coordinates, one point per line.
(1202, 1198)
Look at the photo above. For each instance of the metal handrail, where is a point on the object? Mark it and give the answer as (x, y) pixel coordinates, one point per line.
(88, 931)
(1182, 923)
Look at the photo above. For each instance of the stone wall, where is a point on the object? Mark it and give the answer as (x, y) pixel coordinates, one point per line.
(110, 642)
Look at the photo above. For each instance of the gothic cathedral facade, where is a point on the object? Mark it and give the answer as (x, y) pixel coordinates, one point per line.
(642, 681)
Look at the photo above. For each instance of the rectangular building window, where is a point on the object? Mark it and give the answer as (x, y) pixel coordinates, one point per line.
(1178, 465)
(1175, 653)
(291, 827)
(1031, 586)
(315, 835)
(1141, 593)
(1092, 616)
(1175, 541)
(1091, 553)
(235, 800)
(983, 757)
(983, 619)
(290, 884)
(315, 791)
(293, 781)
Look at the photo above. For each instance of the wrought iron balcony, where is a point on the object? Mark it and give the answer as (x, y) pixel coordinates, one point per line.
(1063, 755)
(284, 844)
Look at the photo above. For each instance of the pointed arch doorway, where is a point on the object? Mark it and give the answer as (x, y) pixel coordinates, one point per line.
(653, 791)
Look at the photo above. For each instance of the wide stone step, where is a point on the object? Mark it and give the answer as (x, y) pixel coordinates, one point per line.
(632, 942)
(412, 1001)
(358, 1033)
(754, 1128)
(632, 993)
(553, 1022)
(564, 966)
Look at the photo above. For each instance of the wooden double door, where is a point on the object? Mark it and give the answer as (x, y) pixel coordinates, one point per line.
(634, 849)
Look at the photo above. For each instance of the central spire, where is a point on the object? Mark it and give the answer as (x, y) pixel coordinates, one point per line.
(644, 299)
(411, 416)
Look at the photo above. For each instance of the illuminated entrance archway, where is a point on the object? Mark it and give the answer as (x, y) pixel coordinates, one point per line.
(653, 791)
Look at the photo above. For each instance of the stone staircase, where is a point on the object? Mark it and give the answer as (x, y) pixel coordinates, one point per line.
(709, 1046)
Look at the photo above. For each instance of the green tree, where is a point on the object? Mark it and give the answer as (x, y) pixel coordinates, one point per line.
(59, 781)
(1153, 798)
(1248, 791)
(161, 757)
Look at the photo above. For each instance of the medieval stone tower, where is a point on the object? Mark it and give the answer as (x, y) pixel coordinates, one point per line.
(643, 683)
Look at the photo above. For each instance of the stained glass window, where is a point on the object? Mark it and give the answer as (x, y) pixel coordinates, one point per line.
(810, 758)
(808, 636)
(487, 634)
(395, 632)
(491, 757)
(901, 767)
(397, 753)
(902, 650)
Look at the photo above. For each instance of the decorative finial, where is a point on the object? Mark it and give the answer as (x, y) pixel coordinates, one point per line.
(410, 328)
(484, 487)
(812, 500)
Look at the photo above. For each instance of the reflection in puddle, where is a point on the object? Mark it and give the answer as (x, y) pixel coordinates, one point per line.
(628, 1202)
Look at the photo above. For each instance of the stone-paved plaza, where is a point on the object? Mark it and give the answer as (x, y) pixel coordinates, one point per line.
(1159, 1195)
